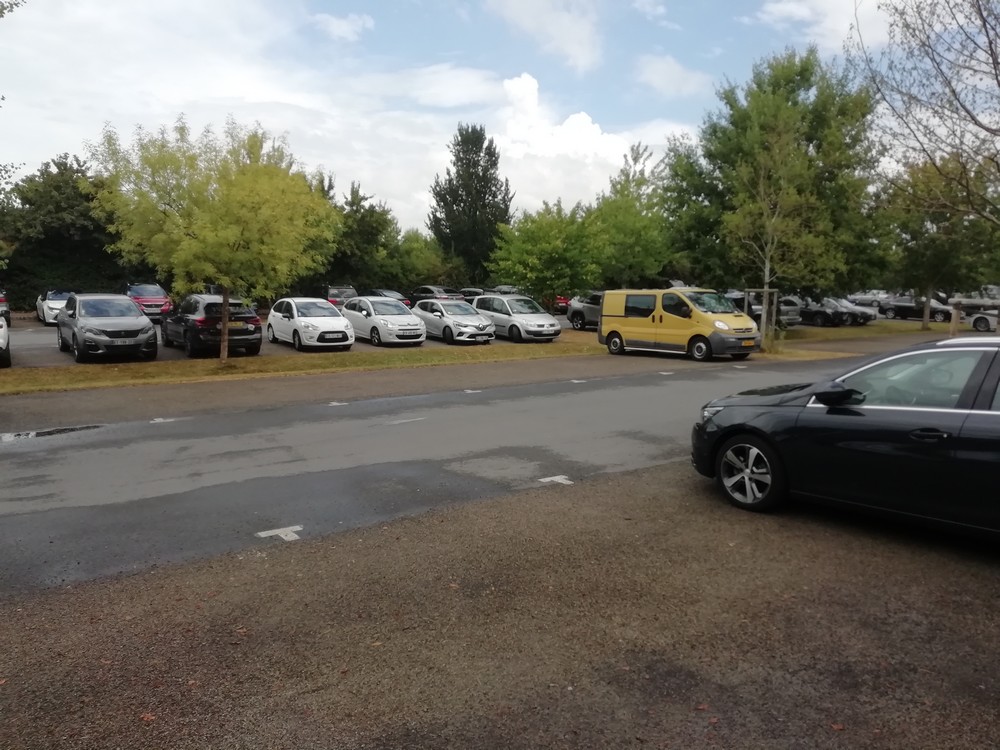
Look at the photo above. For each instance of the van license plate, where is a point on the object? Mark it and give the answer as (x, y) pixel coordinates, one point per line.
(748, 343)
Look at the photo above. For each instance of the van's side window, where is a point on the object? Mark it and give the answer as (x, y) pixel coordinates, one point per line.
(640, 305)
(674, 305)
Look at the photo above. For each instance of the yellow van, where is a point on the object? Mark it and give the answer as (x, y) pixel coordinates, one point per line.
(699, 322)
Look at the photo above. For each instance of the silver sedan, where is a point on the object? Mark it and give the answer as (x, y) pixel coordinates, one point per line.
(454, 321)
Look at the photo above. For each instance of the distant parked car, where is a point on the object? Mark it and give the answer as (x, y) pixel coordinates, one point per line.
(93, 325)
(4, 307)
(5, 360)
(309, 322)
(984, 320)
(585, 311)
(454, 321)
(390, 293)
(558, 306)
(340, 293)
(518, 318)
(196, 324)
(471, 292)
(857, 315)
(506, 289)
(384, 321)
(434, 292)
(826, 312)
(913, 307)
(152, 298)
(871, 298)
(789, 312)
(49, 303)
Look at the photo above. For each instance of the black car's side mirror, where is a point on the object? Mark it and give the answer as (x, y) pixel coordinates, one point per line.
(836, 393)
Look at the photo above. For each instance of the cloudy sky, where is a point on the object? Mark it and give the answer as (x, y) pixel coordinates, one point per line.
(373, 89)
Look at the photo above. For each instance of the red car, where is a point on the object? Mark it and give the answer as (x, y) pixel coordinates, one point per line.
(151, 299)
(559, 307)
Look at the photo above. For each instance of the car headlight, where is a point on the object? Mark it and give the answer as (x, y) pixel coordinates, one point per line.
(310, 327)
(722, 326)
(386, 323)
(92, 331)
(347, 325)
(707, 412)
(464, 325)
(52, 309)
(146, 331)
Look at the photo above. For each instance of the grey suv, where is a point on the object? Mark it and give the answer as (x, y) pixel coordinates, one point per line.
(104, 324)
(585, 310)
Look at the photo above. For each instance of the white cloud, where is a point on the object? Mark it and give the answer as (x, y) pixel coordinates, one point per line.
(654, 11)
(565, 28)
(386, 128)
(669, 78)
(825, 22)
(348, 28)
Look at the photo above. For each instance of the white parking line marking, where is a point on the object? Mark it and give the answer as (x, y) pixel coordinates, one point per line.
(10, 437)
(561, 479)
(337, 403)
(578, 381)
(740, 367)
(287, 534)
(467, 390)
(161, 420)
(666, 373)
(407, 421)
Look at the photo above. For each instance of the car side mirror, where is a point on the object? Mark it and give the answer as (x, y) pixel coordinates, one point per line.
(685, 312)
(71, 314)
(364, 313)
(836, 393)
(287, 316)
(438, 315)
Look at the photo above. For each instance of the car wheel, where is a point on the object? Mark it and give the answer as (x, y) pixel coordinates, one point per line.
(741, 356)
(940, 317)
(750, 474)
(981, 324)
(579, 322)
(150, 355)
(851, 319)
(615, 344)
(375, 337)
(700, 350)
(448, 335)
(297, 341)
(63, 346)
(189, 348)
(165, 337)
(890, 313)
(515, 335)
(270, 335)
(78, 353)
(252, 351)
(5, 360)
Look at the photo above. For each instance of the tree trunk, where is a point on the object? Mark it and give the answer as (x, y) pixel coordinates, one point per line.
(765, 308)
(224, 341)
(926, 325)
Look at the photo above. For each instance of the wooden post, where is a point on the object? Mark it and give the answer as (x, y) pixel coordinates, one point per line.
(956, 315)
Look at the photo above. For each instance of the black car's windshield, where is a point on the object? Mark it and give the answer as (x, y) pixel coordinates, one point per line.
(389, 307)
(109, 308)
(710, 302)
(524, 306)
(317, 309)
(459, 308)
(58, 295)
(147, 290)
(236, 307)
(449, 290)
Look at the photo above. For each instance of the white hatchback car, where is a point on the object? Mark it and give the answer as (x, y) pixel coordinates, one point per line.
(48, 305)
(454, 321)
(384, 321)
(307, 322)
(4, 343)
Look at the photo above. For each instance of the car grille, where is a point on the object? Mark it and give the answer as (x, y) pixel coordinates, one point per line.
(121, 334)
(743, 330)
(408, 335)
(332, 336)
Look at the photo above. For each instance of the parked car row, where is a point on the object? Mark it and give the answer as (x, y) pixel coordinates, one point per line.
(913, 307)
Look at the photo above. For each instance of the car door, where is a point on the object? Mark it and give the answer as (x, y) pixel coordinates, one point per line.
(673, 323)
(288, 317)
(592, 309)
(893, 448)
(972, 494)
(638, 327)
(350, 310)
(485, 305)
(435, 322)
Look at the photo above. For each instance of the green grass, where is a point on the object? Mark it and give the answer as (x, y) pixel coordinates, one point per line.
(104, 375)
(875, 328)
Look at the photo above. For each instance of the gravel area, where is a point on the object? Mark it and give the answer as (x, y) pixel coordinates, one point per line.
(632, 611)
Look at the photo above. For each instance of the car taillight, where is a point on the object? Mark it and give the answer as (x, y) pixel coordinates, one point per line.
(202, 323)
(333, 301)
(254, 321)
(3, 298)
(406, 302)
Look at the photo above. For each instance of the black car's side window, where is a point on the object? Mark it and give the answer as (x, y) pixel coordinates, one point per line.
(921, 380)
(640, 305)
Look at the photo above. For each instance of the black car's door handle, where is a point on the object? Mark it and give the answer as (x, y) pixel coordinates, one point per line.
(929, 435)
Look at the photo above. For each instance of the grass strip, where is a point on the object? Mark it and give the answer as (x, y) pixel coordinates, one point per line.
(875, 328)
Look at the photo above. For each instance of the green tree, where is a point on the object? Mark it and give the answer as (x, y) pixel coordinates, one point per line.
(368, 235)
(7, 170)
(472, 201)
(417, 259)
(546, 253)
(234, 210)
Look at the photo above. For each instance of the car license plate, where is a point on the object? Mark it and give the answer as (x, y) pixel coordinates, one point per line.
(481, 338)
(120, 342)
(235, 324)
(749, 342)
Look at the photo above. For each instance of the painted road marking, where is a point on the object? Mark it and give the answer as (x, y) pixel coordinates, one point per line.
(666, 373)
(740, 367)
(578, 381)
(337, 403)
(287, 534)
(161, 420)
(407, 421)
(561, 479)
(10, 437)
(467, 390)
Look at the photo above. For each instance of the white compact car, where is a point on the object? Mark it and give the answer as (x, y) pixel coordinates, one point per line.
(4, 343)
(384, 321)
(48, 305)
(454, 321)
(518, 318)
(984, 320)
(305, 322)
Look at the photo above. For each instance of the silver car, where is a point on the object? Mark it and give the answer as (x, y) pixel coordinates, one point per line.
(518, 318)
(585, 310)
(104, 324)
(454, 321)
(4, 343)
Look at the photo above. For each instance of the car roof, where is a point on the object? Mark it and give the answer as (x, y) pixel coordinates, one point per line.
(305, 299)
(98, 295)
(216, 298)
(967, 341)
(377, 298)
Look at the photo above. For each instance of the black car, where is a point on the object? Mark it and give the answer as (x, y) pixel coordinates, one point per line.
(388, 293)
(434, 292)
(913, 307)
(826, 312)
(913, 434)
(196, 324)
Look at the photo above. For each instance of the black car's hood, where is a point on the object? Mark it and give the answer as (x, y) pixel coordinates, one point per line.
(774, 395)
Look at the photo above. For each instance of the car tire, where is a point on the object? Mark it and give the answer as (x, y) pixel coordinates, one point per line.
(189, 348)
(165, 337)
(700, 349)
(890, 313)
(150, 355)
(851, 319)
(750, 474)
(78, 354)
(296, 341)
(5, 360)
(741, 356)
(63, 346)
(515, 335)
(578, 321)
(615, 344)
(448, 336)
(252, 351)
(981, 324)
(374, 337)
(940, 317)
(271, 338)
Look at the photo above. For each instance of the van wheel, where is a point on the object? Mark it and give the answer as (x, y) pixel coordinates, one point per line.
(700, 350)
(579, 322)
(615, 344)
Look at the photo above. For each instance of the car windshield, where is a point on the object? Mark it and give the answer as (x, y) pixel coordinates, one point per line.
(109, 308)
(317, 309)
(236, 307)
(58, 295)
(524, 306)
(341, 292)
(459, 308)
(711, 302)
(389, 307)
(147, 290)
(830, 302)
(449, 290)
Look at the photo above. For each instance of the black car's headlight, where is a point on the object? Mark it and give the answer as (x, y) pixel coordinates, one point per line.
(707, 412)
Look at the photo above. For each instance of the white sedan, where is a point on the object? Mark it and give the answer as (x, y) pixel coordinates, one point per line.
(48, 305)
(384, 321)
(4, 343)
(454, 321)
(307, 322)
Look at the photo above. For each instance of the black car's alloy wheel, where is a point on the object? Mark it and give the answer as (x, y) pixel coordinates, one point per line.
(890, 313)
(939, 317)
(749, 472)
(189, 347)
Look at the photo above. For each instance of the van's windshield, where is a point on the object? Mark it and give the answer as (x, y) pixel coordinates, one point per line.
(710, 302)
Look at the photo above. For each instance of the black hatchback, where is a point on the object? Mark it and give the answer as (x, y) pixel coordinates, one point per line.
(196, 324)
(915, 434)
